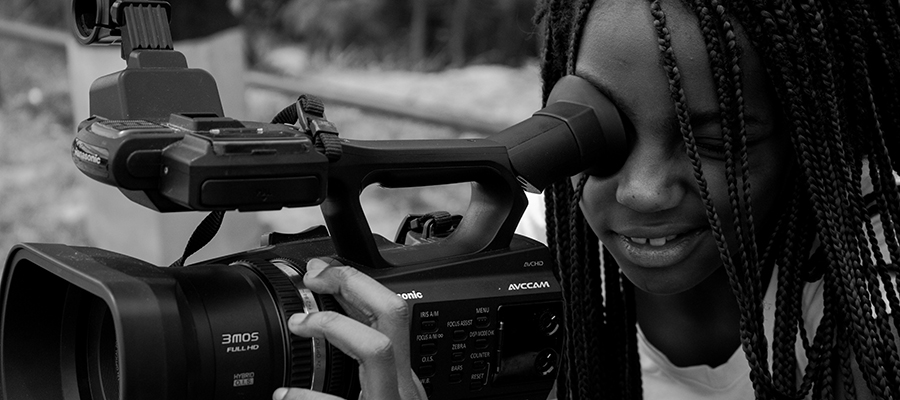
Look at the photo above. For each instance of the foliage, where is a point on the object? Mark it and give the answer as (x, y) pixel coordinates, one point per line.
(40, 198)
(381, 31)
(49, 13)
(454, 33)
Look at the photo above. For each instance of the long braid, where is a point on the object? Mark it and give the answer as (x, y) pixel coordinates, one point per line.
(784, 16)
(752, 339)
(883, 338)
(595, 330)
(787, 312)
(813, 166)
(835, 67)
(866, 355)
(873, 260)
(556, 200)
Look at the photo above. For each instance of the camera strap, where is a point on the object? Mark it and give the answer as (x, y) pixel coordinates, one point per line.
(308, 112)
(204, 233)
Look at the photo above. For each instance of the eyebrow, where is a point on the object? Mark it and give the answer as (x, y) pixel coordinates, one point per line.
(697, 119)
(707, 117)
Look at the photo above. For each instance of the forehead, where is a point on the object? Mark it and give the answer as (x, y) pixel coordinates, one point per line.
(619, 50)
(620, 53)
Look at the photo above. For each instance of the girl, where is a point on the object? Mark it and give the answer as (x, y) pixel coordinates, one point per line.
(748, 242)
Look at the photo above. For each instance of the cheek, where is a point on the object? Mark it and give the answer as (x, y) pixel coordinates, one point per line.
(772, 190)
(595, 200)
(770, 173)
(589, 197)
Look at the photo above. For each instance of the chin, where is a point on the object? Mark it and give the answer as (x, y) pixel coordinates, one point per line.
(663, 281)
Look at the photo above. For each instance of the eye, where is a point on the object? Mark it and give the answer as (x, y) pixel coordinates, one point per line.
(712, 148)
(707, 128)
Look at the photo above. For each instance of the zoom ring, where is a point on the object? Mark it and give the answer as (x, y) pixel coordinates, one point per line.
(342, 379)
(342, 363)
(301, 352)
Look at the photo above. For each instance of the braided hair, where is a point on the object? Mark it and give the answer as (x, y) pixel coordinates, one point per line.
(835, 68)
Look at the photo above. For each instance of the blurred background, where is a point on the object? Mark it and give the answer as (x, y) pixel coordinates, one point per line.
(386, 69)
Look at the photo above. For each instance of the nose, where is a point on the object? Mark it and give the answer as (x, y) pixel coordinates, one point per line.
(651, 179)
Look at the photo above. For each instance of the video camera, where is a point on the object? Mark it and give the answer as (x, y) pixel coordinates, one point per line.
(486, 322)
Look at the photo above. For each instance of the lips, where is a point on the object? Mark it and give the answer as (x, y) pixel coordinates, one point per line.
(663, 249)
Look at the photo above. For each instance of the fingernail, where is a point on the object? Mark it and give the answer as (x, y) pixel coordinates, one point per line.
(314, 267)
(297, 319)
(279, 393)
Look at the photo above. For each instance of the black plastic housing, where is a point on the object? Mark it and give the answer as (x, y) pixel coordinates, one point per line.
(85, 323)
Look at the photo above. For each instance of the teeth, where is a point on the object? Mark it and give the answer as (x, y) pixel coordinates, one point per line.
(653, 241)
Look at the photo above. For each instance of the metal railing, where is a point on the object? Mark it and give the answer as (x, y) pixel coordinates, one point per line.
(351, 97)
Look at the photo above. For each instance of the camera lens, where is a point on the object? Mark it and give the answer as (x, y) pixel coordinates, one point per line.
(244, 306)
(107, 356)
(110, 327)
(85, 14)
(96, 351)
(313, 363)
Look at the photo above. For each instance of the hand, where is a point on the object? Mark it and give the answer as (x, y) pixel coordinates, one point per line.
(377, 335)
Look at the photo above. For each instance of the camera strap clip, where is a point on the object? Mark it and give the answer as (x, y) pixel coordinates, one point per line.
(418, 228)
(308, 112)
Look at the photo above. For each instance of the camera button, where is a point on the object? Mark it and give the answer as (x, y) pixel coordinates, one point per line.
(427, 349)
(457, 356)
(481, 343)
(459, 335)
(429, 325)
(455, 377)
(482, 322)
(426, 370)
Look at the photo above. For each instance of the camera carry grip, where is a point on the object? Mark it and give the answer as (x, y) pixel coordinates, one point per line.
(579, 129)
(494, 210)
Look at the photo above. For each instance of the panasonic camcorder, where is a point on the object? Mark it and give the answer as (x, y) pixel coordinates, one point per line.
(83, 323)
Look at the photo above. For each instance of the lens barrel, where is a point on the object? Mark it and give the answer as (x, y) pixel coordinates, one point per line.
(313, 362)
(91, 22)
(111, 327)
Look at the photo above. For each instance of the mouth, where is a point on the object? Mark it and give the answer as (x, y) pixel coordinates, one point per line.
(662, 250)
(655, 242)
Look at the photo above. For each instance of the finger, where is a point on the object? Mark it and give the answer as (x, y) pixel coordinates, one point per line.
(369, 347)
(300, 394)
(313, 268)
(377, 305)
(370, 302)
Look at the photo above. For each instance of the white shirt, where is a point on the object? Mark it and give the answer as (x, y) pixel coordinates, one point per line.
(663, 380)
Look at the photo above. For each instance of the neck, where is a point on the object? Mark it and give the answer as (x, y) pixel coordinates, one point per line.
(697, 327)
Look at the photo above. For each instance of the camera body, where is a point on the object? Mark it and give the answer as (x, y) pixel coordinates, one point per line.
(481, 327)
(86, 323)
(203, 161)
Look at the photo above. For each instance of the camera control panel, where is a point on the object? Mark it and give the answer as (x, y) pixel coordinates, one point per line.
(480, 348)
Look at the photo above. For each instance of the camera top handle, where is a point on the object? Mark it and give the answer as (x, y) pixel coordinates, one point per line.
(495, 207)
(98, 21)
(579, 129)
